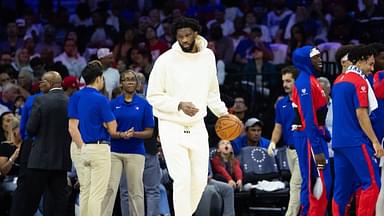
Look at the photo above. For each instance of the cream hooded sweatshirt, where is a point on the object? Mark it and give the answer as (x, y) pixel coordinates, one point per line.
(178, 76)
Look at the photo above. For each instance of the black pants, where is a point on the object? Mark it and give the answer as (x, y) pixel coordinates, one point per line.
(53, 183)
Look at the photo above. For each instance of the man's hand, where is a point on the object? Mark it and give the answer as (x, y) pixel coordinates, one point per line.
(271, 149)
(232, 184)
(320, 160)
(188, 108)
(128, 134)
(239, 184)
(379, 151)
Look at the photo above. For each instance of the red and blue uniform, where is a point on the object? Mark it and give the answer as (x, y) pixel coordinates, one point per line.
(354, 155)
(310, 134)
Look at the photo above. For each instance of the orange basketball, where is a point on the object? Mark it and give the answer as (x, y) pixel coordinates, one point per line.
(228, 127)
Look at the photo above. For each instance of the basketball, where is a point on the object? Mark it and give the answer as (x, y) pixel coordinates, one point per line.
(228, 127)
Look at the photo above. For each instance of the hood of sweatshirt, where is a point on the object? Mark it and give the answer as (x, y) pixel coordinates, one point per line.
(200, 42)
(302, 60)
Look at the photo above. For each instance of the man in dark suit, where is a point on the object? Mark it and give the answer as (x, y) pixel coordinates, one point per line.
(49, 158)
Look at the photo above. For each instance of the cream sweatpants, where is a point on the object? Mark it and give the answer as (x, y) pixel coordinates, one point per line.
(186, 153)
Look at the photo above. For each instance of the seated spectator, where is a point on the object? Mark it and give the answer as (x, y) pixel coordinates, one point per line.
(21, 60)
(71, 84)
(49, 41)
(71, 58)
(223, 44)
(252, 136)
(101, 34)
(244, 48)
(226, 25)
(110, 74)
(25, 80)
(226, 167)
(9, 156)
(12, 42)
(9, 94)
(126, 42)
(239, 108)
(154, 44)
(251, 22)
(259, 71)
(5, 58)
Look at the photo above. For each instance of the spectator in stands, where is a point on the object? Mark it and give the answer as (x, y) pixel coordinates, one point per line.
(370, 23)
(133, 114)
(252, 22)
(12, 43)
(5, 58)
(252, 136)
(223, 44)
(82, 16)
(9, 93)
(70, 85)
(243, 50)
(142, 62)
(167, 36)
(341, 26)
(226, 167)
(239, 32)
(71, 58)
(110, 74)
(239, 108)
(155, 16)
(49, 41)
(277, 18)
(29, 44)
(21, 60)
(101, 34)
(226, 25)
(126, 42)
(4, 79)
(9, 158)
(25, 81)
(259, 71)
(298, 39)
(154, 44)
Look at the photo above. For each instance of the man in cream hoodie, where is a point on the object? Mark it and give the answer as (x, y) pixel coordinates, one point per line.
(182, 84)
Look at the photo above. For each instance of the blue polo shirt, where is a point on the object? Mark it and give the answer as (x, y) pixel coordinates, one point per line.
(242, 141)
(137, 114)
(25, 112)
(285, 116)
(349, 92)
(92, 110)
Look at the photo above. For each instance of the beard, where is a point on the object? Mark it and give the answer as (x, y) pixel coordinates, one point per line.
(189, 48)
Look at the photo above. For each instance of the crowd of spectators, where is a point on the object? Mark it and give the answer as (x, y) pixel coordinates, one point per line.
(252, 41)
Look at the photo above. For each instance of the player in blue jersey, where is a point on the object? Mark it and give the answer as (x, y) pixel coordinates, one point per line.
(354, 141)
(310, 135)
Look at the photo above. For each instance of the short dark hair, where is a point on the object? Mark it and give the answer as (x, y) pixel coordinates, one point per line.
(360, 53)
(186, 22)
(290, 70)
(91, 72)
(340, 53)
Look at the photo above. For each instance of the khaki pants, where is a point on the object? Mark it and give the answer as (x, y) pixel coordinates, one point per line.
(380, 199)
(133, 165)
(186, 153)
(93, 176)
(294, 183)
